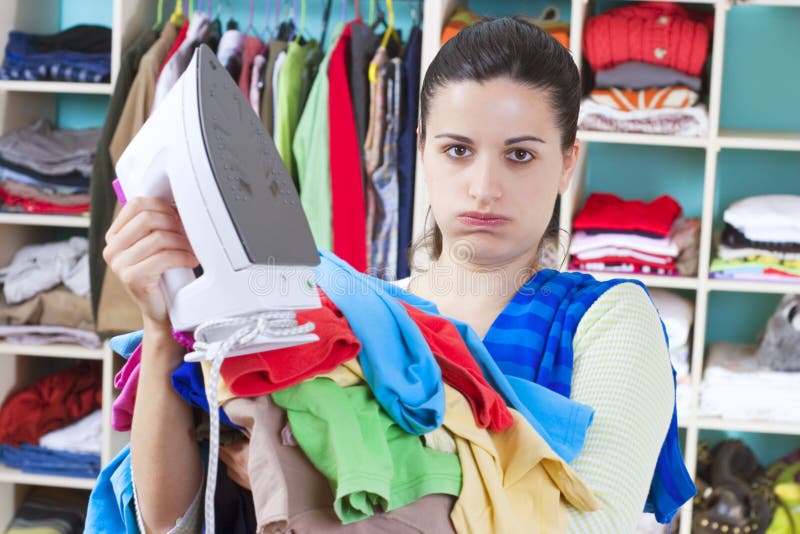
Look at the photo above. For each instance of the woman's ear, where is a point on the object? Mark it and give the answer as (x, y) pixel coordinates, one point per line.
(568, 167)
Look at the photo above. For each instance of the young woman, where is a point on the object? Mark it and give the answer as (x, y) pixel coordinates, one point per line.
(497, 134)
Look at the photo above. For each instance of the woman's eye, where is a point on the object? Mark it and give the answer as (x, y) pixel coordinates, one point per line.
(520, 156)
(458, 151)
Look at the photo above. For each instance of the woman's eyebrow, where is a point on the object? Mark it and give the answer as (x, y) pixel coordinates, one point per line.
(455, 137)
(521, 138)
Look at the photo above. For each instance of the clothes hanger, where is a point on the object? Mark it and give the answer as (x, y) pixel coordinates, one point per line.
(177, 15)
(159, 15)
(373, 68)
(249, 26)
(356, 8)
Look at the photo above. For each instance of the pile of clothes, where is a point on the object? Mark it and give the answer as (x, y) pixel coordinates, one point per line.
(649, 84)
(677, 314)
(50, 511)
(45, 297)
(761, 240)
(78, 54)
(633, 236)
(44, 169)
(53, 426)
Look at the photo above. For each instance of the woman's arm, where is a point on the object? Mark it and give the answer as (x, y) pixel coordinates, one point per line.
(145, 240)
(165, 458)
(622, 370)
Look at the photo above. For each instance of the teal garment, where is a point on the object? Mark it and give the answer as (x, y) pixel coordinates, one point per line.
(290, 80)
(367, 458)
(311, 147)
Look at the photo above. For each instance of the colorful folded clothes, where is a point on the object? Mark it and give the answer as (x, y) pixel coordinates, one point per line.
(50, 403)
(79, 54)
(760, 241)
(50, 511)
(678, 96)
(687, 122)
(661, 33)
(647, 60)
(631, 236)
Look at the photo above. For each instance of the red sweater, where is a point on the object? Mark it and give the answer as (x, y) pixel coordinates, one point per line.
(653, 32)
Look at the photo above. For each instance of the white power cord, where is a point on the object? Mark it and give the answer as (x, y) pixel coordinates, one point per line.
(268, 323)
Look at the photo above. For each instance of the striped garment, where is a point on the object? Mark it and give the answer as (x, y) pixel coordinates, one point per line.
(678, 96)
(533, 338)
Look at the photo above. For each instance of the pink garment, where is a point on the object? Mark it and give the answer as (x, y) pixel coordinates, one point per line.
(255, 90)
(127, 380)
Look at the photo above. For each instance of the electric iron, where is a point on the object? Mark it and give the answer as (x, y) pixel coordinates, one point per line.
(205, 149)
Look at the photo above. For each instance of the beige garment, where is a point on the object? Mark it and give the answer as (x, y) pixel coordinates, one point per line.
(373, 142)
(116, 310)
(57, 307)
(267, 103)
(143, 90)
(289, 493)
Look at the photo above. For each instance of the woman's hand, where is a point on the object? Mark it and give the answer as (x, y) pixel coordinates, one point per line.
(146, 239)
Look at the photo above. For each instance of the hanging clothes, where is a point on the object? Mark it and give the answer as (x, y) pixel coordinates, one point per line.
(363, 45)
(254, 95)
(311, 151)
(407, 149)
(373, 144)
(252, 45)
(384, 181)
(275, 77)
(195, 33)
(289, 104)
(349, 217)
(101, 192)
(276, 46)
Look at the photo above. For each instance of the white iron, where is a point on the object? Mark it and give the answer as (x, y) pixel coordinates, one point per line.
(205, 149)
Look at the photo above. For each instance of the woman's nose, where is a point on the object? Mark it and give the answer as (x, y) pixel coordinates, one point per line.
(485, 186)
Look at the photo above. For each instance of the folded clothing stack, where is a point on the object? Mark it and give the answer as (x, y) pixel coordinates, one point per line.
(53, 426)
(761, 240)
(736, 386)
(632, 236)
(550, 21)
(50, 511)
(45, 297)
(647, 60)
(78, 54)
(677, 314)
(44, 169)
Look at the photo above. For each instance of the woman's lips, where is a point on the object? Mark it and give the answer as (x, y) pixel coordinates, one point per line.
(482, 219)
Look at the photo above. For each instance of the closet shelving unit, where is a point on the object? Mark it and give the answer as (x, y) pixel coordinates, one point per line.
(21, 103)
(435, 17)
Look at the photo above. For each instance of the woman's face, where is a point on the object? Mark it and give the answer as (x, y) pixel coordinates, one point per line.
(493, 166)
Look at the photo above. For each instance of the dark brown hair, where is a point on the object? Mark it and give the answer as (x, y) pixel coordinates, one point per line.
(511, 48)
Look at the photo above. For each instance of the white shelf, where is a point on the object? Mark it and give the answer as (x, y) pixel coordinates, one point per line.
(759, 140)
(753, 287)
(55, 350)
(650, 280)
(16, 476)
(642, 139)
(56, 87)
(776, 3)
(37, 219)
(763, 427)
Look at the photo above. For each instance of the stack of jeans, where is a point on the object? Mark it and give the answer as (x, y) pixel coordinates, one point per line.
(46, 170)
(79, 54)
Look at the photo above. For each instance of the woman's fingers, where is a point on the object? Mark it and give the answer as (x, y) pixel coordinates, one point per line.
(149, 245)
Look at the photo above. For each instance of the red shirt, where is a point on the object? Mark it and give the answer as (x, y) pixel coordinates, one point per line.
(347, 188)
